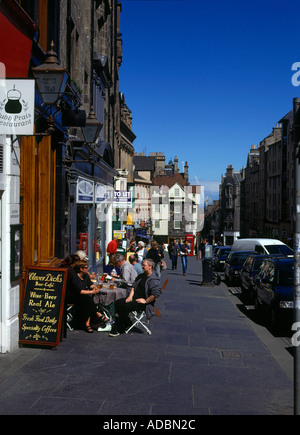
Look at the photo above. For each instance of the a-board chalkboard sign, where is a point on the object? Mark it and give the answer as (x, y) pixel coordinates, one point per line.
(43, 308)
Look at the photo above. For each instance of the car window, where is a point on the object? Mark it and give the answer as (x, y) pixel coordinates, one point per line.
(259, 249)
(224, 252)
(279, 249)
(239, 260)
(257, 263)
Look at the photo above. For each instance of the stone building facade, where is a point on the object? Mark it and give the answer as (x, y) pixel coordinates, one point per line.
(230, 197)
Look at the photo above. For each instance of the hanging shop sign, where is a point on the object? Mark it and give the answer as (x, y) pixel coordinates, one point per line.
(17, 106)
(103, 194)
(122, 199)
(85, 191)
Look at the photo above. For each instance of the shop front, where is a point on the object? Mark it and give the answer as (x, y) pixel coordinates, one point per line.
(16, 116)
(91, 208)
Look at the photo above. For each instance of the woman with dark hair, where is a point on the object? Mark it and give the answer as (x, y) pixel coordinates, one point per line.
(81, 291)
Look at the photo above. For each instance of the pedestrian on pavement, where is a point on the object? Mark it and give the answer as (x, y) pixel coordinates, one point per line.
(141, 251)
(112, 246)
(145, 290)
(132, 246)
(202, 249)
(184, 252)
(175, 252)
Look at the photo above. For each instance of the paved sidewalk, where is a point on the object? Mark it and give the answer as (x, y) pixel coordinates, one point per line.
(204, 357)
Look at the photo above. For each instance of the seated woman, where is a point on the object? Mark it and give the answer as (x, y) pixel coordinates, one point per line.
(81, 290)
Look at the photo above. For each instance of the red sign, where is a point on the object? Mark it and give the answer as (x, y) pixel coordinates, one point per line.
(16, 33)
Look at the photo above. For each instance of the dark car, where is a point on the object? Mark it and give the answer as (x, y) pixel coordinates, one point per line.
(220, 257)
(233, 266)
(274, 288)
(248, 273)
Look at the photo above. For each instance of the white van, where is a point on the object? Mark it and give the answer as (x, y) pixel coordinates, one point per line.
(262, 246)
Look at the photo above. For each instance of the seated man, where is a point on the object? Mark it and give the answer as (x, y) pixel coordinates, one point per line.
(133, 259)
(127, 272)
(145, 290)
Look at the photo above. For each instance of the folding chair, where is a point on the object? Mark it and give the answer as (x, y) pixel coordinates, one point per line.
(139, 316)
(70, 316)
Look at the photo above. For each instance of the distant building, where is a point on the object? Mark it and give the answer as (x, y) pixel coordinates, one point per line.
(165, 204)
(230, 205)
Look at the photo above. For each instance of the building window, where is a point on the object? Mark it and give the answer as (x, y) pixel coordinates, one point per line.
(177, 208)
(177, 225)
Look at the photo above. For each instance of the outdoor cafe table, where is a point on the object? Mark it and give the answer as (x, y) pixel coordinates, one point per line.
(108, 296)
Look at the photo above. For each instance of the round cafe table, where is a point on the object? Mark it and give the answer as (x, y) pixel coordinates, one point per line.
(108, 296)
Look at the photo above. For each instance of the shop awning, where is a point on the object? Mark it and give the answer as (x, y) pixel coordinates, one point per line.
(16, 35)
(144, 236)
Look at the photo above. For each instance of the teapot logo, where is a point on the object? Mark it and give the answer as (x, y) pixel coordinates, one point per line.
(13, 104)
(17, 106)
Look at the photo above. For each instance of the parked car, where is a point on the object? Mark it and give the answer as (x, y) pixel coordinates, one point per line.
(220, 257)
(248, 273)
(274, 288)
(262, 246)
(233, 266)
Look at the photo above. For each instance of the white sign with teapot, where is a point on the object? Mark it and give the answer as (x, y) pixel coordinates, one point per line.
(17, 106)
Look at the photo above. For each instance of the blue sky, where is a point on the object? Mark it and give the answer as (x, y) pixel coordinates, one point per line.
(206, 80)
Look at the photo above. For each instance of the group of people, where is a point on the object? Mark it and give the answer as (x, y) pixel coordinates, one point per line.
(139, 276)
(155, 253)
(182, 250)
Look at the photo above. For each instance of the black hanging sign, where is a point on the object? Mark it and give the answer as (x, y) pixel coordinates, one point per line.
(43, 308)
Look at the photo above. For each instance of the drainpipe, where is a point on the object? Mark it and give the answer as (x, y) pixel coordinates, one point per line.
(70, 27)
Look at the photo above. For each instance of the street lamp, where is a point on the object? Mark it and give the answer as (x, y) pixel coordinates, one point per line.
(51, 78)
(92, 128)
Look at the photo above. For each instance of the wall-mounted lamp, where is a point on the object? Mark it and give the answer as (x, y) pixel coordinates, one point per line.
(51, 78)
(92, 128)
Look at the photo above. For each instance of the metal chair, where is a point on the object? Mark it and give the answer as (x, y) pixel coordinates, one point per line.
(70, 311)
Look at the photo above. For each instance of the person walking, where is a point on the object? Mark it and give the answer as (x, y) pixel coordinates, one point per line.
(112, 246)
(141, 251)
(184, 252)
(175, 252)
